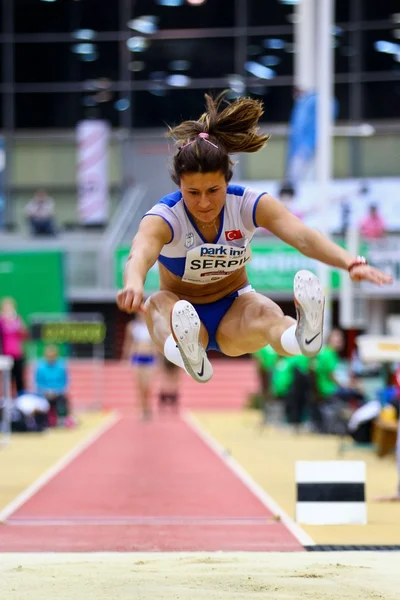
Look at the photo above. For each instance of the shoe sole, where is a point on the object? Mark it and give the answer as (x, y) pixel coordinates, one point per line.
(185, 328)
(310, 303)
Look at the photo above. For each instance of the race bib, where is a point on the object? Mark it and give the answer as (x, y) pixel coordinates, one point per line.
(211, 262)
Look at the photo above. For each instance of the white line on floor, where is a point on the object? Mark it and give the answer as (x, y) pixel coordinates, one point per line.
(151, 521)
(248, 481)
(31, 490)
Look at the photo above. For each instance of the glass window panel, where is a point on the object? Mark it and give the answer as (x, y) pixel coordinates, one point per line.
(343, 51)
(342, 11)
(1, 111)
(381, 100)
(274, 52)
(33, 16)
(56, 62)
(213, 13)
(279, 12)
(155, 109)
(278, 102)
(266, 13)
(59, 110)
(204, 58)
(374, 10)
(100, 16)
(379, 50)
(342, 91)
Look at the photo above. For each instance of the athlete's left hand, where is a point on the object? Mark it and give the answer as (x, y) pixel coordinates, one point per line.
(368, 273)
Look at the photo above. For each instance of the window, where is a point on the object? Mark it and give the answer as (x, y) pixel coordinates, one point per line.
(342, 94)
(57, 62)
(273, 12)
(156, 108)
(381, 51)
(374, 10)
(278, 102)
(273, 52)
(184, 16)
(33, 16)
(194, 58)
(59, 110)
(381, 100)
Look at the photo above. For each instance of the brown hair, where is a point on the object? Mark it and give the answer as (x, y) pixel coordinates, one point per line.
(231, 130)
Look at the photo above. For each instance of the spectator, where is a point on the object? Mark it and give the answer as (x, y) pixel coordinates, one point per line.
(40, 213)
(266, 362)
(140, 351)
(326, 363)
(329, 392)
(372, 225)
(51, 381)
(12, 334)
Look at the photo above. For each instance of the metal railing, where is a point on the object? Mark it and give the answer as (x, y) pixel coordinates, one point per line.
(126, 218)
(89, 255)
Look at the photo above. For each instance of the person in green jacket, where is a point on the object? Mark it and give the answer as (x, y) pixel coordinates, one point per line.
(326, 363)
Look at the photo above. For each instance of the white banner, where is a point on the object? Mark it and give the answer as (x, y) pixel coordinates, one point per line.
(92, 171)
(349, 200)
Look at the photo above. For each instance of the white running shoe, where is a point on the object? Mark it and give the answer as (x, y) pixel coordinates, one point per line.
(309, 301)
(185, 328)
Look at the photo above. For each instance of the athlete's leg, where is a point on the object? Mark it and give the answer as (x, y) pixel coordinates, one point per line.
(143, 379)
(176, 330)
(253, 321)
(158, 318)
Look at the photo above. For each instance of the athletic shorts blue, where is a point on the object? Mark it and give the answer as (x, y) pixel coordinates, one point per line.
(142, 359)
(211, 314)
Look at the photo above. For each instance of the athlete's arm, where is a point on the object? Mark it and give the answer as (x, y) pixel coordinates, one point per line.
(272, 215)
(152, 235)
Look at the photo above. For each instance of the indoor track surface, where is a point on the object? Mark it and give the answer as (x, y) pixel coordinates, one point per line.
(189, 505)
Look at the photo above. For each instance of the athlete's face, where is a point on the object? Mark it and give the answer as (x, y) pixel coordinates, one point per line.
(204, 194)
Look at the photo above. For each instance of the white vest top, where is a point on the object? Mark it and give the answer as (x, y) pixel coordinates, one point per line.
(140, 333)
(189, 256)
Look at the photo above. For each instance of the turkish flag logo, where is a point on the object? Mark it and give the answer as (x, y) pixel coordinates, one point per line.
(234, 234)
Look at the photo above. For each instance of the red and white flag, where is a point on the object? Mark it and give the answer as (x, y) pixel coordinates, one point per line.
(233, 234)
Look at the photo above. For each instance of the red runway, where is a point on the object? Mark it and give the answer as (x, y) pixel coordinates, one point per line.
(145, 486)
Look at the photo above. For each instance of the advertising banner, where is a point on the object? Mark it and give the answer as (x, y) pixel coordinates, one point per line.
(272, 268)
(92, 171)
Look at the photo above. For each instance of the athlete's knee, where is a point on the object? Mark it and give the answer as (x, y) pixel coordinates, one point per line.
(263, 315)
(159, 300)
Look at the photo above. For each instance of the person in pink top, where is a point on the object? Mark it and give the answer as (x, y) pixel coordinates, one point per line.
(12, 334)
(372, 225)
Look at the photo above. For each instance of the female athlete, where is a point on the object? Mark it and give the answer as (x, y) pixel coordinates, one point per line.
(139, 348)
(200, 235)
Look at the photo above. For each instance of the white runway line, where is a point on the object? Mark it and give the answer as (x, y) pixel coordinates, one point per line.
(31, 490)
(148, 521)
(248, 481)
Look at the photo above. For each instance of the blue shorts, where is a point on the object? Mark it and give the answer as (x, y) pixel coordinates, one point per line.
(143, 359)
(211, 314)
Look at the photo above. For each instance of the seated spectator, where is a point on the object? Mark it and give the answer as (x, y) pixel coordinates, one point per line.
(372, 225)
(330, 395)
(51, 380)
(30, 413)
(40, 213)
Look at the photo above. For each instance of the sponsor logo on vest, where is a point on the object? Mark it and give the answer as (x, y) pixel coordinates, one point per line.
(189, 240)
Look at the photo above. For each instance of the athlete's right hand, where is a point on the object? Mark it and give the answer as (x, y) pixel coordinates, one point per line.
(130, 298)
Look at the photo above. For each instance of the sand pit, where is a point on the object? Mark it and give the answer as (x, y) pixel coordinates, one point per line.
(201, 576)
